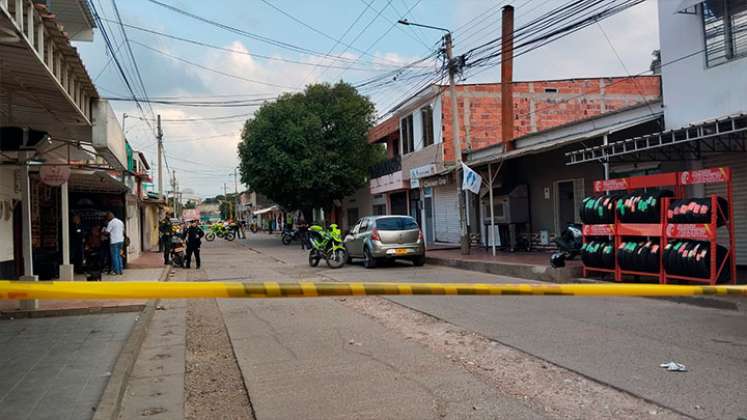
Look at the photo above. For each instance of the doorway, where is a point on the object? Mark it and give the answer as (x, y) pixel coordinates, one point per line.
(568, 196)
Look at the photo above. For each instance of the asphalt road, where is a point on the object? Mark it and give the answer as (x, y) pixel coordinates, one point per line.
(320, 358)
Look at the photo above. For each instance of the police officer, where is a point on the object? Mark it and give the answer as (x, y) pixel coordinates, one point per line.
(193, 234)
(165, 229)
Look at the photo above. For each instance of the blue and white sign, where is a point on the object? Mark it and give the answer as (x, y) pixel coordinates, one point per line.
(419, 172)
(472, 180)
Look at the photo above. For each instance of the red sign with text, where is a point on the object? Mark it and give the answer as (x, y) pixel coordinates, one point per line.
(689, 231)
(705, 176)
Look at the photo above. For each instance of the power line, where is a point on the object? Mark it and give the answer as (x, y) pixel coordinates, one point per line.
(192, 63)
(281, 44)
(242, 52)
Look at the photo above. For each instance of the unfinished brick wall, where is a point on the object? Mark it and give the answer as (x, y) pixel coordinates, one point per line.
(540, 105)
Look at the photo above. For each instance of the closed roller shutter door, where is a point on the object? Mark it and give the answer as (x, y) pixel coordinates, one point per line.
(738, 164)
(446, 214)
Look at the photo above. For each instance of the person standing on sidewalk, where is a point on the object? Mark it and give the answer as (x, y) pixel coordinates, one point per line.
(193, 234)
(165, 229)
(115, 229)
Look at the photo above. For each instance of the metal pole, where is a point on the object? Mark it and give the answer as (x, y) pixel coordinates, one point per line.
(463, 239)
(28, 251)
(66, 270)
(606, 163)
(173, 190)
(492, 206)
(160, 154)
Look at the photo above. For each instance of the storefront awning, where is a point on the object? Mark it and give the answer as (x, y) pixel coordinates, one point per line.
(95, 182)
(722, 135)
(265, 210)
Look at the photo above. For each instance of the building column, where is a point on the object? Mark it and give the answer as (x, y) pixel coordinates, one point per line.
(67, 272)
(28, 254)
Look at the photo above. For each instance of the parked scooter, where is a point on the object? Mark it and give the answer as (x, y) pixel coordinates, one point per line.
(327, 244)
(569, 245)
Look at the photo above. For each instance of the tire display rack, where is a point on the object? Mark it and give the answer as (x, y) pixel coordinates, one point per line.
(664, 231)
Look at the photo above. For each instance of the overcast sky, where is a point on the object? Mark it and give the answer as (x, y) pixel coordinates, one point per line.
(203, 153)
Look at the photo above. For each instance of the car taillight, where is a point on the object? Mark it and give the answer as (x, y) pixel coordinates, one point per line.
(375, 235)
(420, 235)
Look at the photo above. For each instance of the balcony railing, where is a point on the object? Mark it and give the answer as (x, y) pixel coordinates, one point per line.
(386, 167)
(46, 38)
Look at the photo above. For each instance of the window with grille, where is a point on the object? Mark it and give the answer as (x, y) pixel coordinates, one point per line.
(426, 114)
(408, 140)
(725, 30)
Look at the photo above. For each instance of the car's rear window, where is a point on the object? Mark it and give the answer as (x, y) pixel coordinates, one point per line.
(396, 223)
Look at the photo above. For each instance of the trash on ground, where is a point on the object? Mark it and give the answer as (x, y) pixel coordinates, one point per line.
(674, 367)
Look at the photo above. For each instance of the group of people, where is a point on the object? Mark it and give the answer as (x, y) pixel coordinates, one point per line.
(172, 236)
(98, 248)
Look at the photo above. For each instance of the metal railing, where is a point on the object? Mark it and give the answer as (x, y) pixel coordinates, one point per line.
(386, 167)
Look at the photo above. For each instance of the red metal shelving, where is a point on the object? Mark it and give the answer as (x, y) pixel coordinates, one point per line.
(665, 230)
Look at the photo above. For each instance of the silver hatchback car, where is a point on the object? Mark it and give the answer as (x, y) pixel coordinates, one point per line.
(378, 238)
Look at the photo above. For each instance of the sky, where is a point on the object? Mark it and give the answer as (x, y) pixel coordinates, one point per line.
(283, 48)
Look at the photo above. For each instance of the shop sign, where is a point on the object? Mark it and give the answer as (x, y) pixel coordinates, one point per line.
(420, 172)
(704, 176)
(610, 185)
(436, 181)
(54, 176)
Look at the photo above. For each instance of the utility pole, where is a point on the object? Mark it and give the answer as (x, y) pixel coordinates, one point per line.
(159, 136)
(453, 69)
(173, 190)
(236, 180)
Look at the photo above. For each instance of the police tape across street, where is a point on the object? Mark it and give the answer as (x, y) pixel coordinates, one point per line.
(179, 290)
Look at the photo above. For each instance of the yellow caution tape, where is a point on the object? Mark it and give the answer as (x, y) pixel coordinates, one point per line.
(204, 289)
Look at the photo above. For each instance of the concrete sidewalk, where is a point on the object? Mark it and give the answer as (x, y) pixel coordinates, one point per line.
(57, 368)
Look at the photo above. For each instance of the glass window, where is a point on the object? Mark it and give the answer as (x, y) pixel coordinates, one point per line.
(396, 223)
(406, 132)
(725, 30)
(427, 117)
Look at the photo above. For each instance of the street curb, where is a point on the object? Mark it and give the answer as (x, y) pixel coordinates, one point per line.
(524, 271)
(45, 313)
(110, 402)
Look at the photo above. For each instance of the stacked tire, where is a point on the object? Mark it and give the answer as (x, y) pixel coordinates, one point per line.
(598, 253)
(639, 255)
(695, 210)
(644, 207)
(598, 210)
(692, 258)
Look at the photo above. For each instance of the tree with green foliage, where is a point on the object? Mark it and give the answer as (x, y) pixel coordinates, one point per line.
(306, 150)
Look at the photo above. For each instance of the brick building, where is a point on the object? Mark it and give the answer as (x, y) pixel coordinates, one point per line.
(418, 178)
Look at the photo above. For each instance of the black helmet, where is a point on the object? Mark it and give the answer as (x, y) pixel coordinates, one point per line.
(557, 260)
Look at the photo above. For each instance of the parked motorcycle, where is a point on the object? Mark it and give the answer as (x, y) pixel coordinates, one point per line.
(569, 245)
(177, 254)
(289, 235)
(221, 231)
(327, 244)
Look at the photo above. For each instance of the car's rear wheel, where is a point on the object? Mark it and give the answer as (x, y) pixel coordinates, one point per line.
(368, 260)
(419, 261)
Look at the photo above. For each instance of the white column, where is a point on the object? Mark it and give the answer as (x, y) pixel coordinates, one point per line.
(28, 262)
(491, 235)
(67, 272)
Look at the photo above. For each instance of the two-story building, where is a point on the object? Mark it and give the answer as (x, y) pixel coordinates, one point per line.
(704, 82)
(418, 178)
(59, 141)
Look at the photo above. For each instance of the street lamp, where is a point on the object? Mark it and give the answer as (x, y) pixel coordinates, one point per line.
(453, 68)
